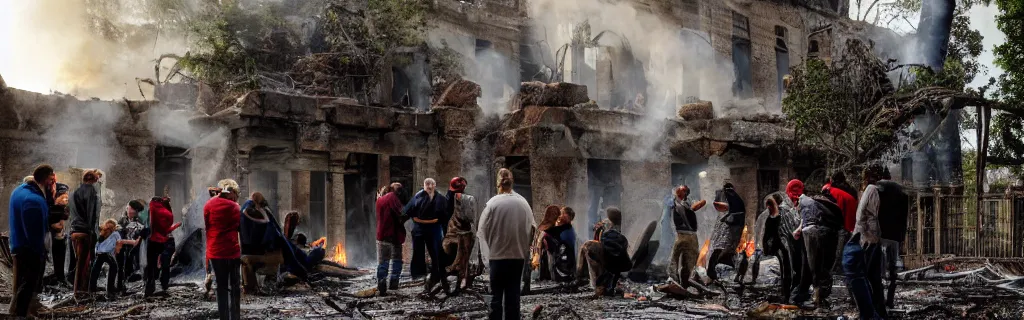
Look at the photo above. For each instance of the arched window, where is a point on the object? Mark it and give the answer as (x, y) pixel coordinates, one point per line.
(812, 47)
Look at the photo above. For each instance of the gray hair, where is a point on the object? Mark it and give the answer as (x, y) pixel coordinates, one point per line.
(430, 181)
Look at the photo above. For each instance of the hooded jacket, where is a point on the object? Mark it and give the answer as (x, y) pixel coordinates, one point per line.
(27, 217)
(85, 210)
(161, 220)
(223, 218)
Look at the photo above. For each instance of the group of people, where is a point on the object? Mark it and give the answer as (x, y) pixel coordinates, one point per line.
(813, 236)
(44, 220)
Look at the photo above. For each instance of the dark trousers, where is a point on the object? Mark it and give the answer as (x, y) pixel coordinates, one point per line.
(797, 255)
(820, 244)
(28, 270)
(84, 248)
(72, 259)
(59, 248)
(128, 263)
(432, 237)
(152, 272)
(229, 294)
(97, 268)
(863, 268)
(418, 264)
(505, 288)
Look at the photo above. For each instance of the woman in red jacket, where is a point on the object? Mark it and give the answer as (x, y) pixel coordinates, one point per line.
(223, 217)
(161, 223)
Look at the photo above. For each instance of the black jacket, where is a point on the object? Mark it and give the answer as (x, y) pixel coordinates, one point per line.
(85, 216)
(892, 210)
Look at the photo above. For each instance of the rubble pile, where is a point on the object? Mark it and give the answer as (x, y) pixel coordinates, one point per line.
(561, 94)
(460, 93)
(701, 110)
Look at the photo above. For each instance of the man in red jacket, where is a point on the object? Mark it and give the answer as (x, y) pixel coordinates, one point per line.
(223, 217)
(161, 223)
(390, 237)
(836, 187)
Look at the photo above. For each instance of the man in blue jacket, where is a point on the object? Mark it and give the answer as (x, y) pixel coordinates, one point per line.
(428, 210)
(27, 218)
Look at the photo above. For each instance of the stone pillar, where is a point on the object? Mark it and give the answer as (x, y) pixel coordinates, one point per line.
(384, 170)
(285, 194)
(644, 187)
(300, 196)
(335, 224)
(551, 180)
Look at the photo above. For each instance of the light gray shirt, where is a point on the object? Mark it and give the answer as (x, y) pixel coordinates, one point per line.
(867, 216)
(505, 227)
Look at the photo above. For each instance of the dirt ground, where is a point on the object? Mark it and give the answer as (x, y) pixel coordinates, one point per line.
(977, 293)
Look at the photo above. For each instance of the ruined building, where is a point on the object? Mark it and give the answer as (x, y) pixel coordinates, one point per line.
(326, 156)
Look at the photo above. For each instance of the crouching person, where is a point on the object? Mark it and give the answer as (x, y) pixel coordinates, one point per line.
(390, 237)
(110, 243)
(607, 256)
(559, 246)
(260, 253)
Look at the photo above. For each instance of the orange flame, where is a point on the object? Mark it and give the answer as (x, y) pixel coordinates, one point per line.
(702, 258)
(339, 255)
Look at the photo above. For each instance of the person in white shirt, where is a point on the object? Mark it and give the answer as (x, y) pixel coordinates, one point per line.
(505, 226)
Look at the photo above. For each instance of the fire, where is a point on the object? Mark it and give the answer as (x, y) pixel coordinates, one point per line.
(747, 245)
(339, 254)
(702, 258)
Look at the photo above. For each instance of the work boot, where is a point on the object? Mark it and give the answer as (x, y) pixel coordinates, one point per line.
(599, 291)
(393, 284)
(382, 287)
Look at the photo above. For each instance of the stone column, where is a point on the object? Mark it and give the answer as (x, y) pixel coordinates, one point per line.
(335, 224)
(300, 196)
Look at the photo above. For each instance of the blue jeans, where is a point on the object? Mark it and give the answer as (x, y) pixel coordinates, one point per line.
(389, 254)
(863, 268)
(505, 292)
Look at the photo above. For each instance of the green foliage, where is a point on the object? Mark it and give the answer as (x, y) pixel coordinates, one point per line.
(445, 63)
(1007, 135)
(832, 107)
(232, 46)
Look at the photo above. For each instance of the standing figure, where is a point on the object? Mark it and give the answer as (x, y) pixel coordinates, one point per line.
(27, 221)
(821, 218)
(132, 228)
(390, 237)
(892, 222)
(685, 249)
(846, 198)
(459, 240)
(777, 225)
(161, 225)
(862, 254)
(57, 198)
(728, 231)
(429, 213)
(85, 214)
(222, 217)
(505, 226)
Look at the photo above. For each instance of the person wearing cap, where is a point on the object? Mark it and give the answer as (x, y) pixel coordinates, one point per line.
(132, 228)
(459, 241)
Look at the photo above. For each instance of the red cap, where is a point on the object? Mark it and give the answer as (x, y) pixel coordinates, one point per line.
(458, 184)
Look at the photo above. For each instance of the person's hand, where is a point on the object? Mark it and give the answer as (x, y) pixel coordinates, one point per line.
(796, 234)
(773, 208)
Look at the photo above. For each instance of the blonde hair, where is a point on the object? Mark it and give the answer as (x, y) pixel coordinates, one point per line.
(504, 181)
(106, 229)
(228, 185)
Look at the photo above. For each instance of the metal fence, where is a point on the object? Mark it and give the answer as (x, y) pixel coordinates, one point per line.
(943, 223)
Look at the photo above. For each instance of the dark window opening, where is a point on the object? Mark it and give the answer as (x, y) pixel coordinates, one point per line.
(740, 26)
(812, 48)
(907, 170)
(691, 6)
(314, 228)
(767, 183)
(781, 69)
(360, 199)
(172, 176)
(482, 44)
(780, 32)
(520, 167)
(400, 87)
(743, 86)
(402, 171)
(604, 183)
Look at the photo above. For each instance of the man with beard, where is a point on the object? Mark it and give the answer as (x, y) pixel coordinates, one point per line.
(459, 241)
(728, 231)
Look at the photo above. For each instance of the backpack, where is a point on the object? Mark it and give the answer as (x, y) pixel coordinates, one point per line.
(616, 251)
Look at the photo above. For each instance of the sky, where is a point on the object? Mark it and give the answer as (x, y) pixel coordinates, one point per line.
(34, 70)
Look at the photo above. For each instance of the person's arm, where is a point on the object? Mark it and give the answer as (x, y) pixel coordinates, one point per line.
(483, 225)
(699, 205)
(173, 227)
